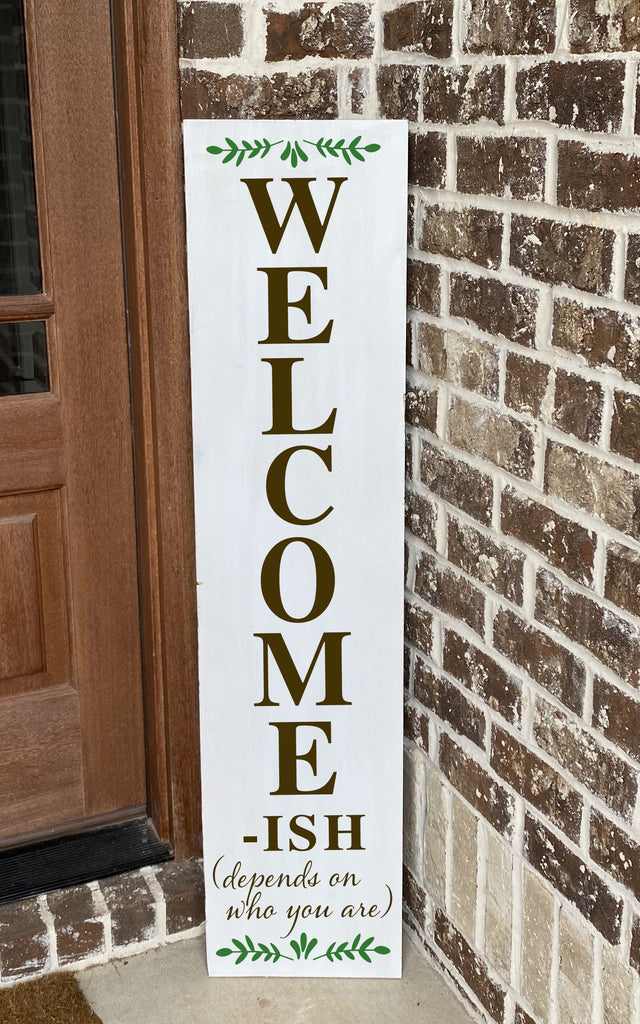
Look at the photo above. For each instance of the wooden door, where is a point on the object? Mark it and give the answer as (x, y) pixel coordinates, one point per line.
(71, 707)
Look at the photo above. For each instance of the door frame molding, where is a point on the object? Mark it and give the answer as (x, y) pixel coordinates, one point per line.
(152, 183)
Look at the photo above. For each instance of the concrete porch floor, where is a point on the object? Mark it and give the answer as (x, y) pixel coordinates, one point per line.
(169, 985)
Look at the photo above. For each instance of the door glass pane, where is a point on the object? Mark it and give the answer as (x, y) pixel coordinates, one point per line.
(19, 249)
(23, 359)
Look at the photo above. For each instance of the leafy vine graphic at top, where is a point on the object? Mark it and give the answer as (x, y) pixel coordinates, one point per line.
(293, 151)
(302, 949)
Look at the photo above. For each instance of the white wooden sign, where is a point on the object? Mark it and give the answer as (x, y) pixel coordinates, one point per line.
(297, 255)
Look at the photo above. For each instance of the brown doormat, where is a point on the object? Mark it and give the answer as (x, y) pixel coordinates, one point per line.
(54, 999)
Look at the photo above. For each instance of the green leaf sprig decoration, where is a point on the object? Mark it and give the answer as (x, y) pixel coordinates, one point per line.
(294, 152)
(302, 948)
(357, 948)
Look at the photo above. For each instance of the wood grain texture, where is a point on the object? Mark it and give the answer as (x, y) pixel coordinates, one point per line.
(82, 200)
(40, 769)
(18, 308)
(21, 639)
(153, 191)
(45, 586)
(71, 716)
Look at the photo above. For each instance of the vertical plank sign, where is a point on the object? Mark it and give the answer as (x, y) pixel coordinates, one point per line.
(297, 253)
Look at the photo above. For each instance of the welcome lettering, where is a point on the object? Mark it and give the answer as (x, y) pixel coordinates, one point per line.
(282, 283)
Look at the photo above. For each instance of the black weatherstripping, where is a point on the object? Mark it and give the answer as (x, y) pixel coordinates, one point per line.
(81, 857)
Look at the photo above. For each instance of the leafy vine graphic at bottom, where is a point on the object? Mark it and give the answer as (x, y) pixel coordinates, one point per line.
(294, 152)
(302, 950)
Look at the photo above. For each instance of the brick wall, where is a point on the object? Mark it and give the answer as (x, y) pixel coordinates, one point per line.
(113, 918)
(523, 495)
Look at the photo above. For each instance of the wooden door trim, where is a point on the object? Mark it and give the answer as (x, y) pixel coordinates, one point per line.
(150, 139)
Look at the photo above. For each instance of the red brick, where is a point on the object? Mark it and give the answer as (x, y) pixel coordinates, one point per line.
(496, 166)
(610, 27)
(549, 664)
(420, 516)
(414, 895)
(580, 94)
(132, 908)
(424, 26)
(469, 362)
(463, 234)
(359, 85)
(615, 642)
(79, 929)
(449, 592)
(578, 406)
(634, 953)
(592, 180)
(495, 306)
(446, 701)
(557, 253)
(568, 874)
(398, 91)
(421, 407)
(423, 287)
(314, 31)
(601, 336)
(625, 425)
(526, 383)
(632, 279)
(570, 877)
(614, 850)
(537, 782)
(617, 716)
(463, 94)
(412, 204)
(483, 676)
(416, 724)
(496, 565)
(476, 785)
(24, 942)
(408, 455)
(492, 435)
(510, 27)
(455, 481)
(418, 627)
(210, 29)
(470, 965)
(606, 775)
(622, 581)
(567, 545)
(308, 94)
(603, 490)
(428, 159)
(182, 886)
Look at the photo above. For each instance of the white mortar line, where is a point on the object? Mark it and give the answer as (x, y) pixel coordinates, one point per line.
(629, 101)
(562, 27)
(517, 896)
(160, 903)
(596, 982)
(448, 872)
(530, 207)
(481, 884)
(554, 1009)
(452, 160)
(49, 921)
(100, 905)
(619, 266)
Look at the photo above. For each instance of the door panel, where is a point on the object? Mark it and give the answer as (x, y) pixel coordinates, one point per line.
(33, 593)
(71, 710)
(41, 775)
